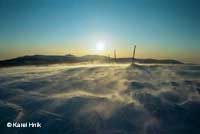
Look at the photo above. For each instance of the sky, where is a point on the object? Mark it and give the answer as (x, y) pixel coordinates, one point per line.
(161, 29)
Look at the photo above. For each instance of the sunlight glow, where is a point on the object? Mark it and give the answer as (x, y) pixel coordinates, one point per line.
(100, 46)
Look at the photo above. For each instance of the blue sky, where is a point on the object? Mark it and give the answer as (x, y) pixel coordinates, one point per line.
(159, 28)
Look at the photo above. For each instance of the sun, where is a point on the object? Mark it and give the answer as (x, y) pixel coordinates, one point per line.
(100, 46)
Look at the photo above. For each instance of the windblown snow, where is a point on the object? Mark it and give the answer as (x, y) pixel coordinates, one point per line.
(101, 99)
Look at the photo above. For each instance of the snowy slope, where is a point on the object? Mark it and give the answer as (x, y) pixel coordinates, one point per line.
(101, 99)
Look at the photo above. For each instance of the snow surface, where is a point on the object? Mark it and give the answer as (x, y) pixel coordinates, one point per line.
(101, 99)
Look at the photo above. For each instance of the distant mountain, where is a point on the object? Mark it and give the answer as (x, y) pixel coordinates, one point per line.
(38, 60)
(93, 57)
(55, 59)
(150, 61)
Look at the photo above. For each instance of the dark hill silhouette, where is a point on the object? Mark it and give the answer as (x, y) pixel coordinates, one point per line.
(55, 59)
(150, 61)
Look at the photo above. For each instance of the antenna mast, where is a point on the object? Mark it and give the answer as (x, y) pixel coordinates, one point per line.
(115, 56)
(133, 58)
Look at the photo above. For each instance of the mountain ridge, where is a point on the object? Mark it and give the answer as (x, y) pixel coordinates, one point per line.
(58, 59)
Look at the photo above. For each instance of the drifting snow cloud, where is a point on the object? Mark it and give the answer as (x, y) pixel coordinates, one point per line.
(103, 98)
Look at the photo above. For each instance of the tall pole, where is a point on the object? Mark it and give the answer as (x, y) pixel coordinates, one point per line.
(108, 58)
(115, 56)
(133, 58)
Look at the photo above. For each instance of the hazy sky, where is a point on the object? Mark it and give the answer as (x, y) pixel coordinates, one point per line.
(159, 28)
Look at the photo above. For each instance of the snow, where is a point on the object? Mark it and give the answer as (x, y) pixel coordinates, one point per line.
(102, 98)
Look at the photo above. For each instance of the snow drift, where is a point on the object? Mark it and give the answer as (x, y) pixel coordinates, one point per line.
(102, 99)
